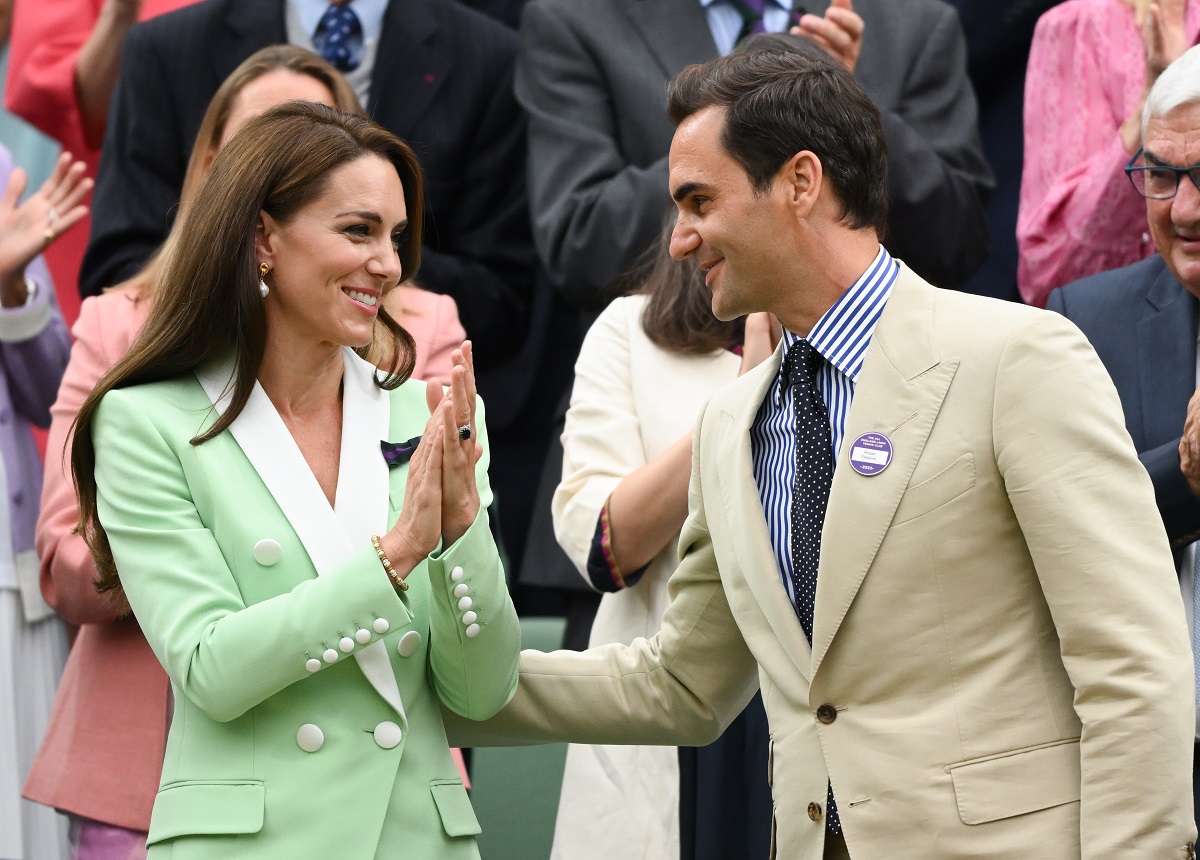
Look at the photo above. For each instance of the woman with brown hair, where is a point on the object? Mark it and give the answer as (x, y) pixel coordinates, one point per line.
(647, 366)
(314, 595)
(102, 756)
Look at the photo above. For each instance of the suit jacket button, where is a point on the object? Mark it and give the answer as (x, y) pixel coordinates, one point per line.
(267, 552)
(387, 734)
(409, 643)
(363, 636)
(310, 738)
(814, 811)
(827, 713)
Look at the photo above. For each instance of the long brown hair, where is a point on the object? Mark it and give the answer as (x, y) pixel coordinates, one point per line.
(678, 315)
(279, 163)
(216, 119)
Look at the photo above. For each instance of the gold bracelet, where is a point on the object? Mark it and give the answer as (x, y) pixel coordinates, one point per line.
(397, 581)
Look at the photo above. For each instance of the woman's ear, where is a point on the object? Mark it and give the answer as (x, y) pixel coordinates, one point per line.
(265, 237)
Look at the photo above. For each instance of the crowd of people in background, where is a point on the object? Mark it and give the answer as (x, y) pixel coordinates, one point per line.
(522, 186)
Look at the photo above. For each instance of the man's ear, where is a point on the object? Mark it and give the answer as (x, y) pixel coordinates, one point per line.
(803, 177)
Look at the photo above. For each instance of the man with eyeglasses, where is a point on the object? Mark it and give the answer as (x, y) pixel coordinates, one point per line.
(1142, 320)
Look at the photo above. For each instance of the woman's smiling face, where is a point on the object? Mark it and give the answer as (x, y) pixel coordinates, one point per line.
(336, 258)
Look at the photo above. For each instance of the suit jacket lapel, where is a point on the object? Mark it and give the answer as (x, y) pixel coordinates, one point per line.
(362, 494)
(409, 68)
(675, 31)
(1166, 345)
(748, 527)
(899, 394)
(247, 27)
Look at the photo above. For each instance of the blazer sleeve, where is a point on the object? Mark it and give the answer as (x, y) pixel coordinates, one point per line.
(939, 178)
(474, 675)
(67, 572)
(227, 657)
(34, 349)
(593, 212)
(141, 173)
(682, 687)
(43, 52)
(602, 439)
(1085, 507)
(1177, 504)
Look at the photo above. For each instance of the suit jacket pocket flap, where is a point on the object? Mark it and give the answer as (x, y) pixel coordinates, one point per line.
(207, 807)
(1015, 783)
(946, 486)
(458, 817)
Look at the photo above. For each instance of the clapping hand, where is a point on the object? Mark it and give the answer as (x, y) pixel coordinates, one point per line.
(441, 498)
(461, 449)
(840, 32)
(27, 228)
(1164, 36)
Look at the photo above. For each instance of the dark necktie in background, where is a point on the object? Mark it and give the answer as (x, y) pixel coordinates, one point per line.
(339, 37)
(810, 493)
(752, 16)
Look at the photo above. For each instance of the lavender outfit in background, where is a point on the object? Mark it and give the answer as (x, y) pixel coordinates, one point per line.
(34, 348)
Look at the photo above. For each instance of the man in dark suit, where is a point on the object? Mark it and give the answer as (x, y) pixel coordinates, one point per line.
(437, 74)
(1142, 320)
(593, 75)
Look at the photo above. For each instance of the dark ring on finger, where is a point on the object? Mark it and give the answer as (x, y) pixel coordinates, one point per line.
(464, 432)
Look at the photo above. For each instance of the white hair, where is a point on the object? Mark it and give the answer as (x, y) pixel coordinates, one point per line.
(1178, 85)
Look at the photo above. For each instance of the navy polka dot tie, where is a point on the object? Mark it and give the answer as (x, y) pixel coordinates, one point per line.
(814, 474)
(339, 37)
(810, 493)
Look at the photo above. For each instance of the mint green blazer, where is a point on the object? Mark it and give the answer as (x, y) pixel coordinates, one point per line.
(307, 692)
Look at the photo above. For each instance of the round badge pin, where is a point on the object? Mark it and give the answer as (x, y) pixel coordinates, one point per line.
(870, 454)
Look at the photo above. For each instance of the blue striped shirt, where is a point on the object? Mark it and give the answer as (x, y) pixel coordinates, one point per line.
(841, 336)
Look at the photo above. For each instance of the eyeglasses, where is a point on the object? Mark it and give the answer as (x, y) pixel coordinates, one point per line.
(1158, 181)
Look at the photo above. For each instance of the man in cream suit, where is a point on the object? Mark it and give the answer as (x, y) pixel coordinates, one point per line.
(982, 653)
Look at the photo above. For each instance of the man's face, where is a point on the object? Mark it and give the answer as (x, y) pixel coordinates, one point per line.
(739, 238)
(1174, 141)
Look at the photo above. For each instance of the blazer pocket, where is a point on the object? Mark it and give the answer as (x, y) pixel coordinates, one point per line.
(454, 807)
(946, 486)
(207, 807)
(1017, 782)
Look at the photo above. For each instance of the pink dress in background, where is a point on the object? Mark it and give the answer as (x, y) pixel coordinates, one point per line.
(44, 46)
(1078, 213)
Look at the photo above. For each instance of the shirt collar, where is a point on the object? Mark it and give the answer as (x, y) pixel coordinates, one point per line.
(843, 332)
(782, 4)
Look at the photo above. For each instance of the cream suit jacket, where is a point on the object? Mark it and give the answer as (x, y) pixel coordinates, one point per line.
(1000, 664)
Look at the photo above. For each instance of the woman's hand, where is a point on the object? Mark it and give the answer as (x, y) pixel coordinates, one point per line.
(762, 336)
(1164, 36)
(1164, 39)
(27, 228)
(419, 527)
(460, 493)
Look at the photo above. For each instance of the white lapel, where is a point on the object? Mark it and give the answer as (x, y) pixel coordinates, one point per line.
(329, 536)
